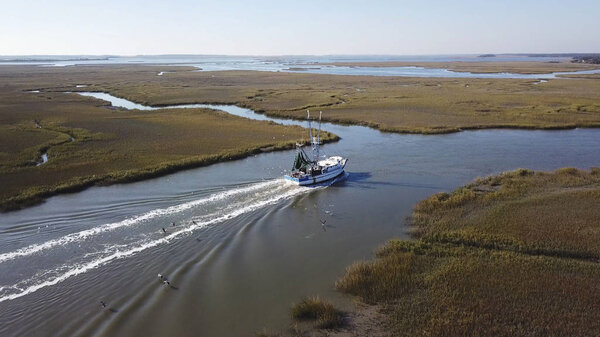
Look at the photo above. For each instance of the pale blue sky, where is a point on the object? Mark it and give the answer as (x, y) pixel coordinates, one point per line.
(127, 27)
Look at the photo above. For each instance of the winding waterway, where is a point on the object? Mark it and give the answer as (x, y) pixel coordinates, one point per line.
(305, 64)
(245, 244)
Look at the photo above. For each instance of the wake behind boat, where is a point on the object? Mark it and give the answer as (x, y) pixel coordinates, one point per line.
(308, 172)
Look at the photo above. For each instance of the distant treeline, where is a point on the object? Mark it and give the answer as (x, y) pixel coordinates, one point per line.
(576, 57)
(561, 55)
(51, 58)
(592, 59)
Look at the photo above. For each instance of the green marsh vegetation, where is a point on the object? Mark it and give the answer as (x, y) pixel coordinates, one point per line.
(267, 333)
(509, 255)
(588, 76)
(317, 310)
(109, 145)
(112, 145)
(430, 106)
(393, 104)
(311, 316)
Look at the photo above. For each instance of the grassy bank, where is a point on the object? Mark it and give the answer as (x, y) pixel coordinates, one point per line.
(112, 145)
(588, 76)
(509, 255)
(317, 310)
(38, 193)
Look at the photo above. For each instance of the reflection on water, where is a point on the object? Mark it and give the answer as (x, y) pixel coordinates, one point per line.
(243, 239)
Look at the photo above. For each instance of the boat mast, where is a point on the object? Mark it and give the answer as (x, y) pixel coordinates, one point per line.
(312, 142)
(319, 136)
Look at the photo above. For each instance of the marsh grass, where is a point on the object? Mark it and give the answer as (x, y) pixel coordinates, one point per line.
(551, 213)
(119, 145)
(110, 145)
(588, 76)
(394, 104)
(267, 333)
(391, 104)
(318, 310)
(509, 255)
(36, 194)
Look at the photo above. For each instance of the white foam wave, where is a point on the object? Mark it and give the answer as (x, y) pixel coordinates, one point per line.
(82, 235)
(119, 254)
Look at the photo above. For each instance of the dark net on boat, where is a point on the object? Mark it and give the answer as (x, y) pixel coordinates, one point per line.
(301, 162)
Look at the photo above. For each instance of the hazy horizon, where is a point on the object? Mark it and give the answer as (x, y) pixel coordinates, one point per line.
(562, 54)
(271, 28)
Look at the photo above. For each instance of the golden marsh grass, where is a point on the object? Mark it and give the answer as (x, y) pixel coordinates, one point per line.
(319, 311)
(110, 145)
(118, 145)
(509, 255)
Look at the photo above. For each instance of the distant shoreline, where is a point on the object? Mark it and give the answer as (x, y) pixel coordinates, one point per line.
(478, 67)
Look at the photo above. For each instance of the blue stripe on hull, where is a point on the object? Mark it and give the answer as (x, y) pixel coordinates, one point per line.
(310, 180)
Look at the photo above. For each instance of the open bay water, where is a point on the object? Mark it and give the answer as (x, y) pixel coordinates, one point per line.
(301, 64)
(245, 244)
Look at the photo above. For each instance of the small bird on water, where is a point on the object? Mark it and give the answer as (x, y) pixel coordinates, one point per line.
(103, 304)
(323, 225)
(164, 280)
(164, 230)
(172, 224)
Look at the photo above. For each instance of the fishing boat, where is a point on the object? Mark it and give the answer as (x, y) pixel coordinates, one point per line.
(309, 171)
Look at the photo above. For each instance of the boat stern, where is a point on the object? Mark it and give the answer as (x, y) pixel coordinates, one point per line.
(292, 179)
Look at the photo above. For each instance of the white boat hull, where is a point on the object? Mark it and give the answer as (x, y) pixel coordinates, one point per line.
(308, 179)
